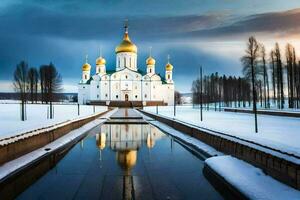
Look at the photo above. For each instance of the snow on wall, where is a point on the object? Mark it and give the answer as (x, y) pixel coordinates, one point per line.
(10, 123)
(281, 133)
(249, 180)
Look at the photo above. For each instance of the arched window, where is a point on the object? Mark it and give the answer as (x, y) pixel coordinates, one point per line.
(124, 62)
(118, 62)
(85, 76)
(168, 76)
(150, 70)
(130, 62)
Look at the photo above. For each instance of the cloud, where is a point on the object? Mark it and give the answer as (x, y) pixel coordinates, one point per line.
(277, 24)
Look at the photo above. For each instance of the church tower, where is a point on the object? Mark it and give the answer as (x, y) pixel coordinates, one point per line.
(86, 70)
(126, 53)
(150, 62)
(100, 65)
(169, 71)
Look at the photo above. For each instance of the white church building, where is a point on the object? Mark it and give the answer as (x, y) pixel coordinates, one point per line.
(127, 82)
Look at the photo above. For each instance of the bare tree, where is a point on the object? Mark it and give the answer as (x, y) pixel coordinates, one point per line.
(265, 77)
(21, 85)
(42, 74)
(33, 77)
(178, 98)
(250, 61)
(280, 92)
(53, 83)
(274, 78)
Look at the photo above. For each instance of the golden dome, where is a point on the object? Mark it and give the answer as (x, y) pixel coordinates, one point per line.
(150, 61)
(86, 67)
(126, 45)
(101, 141)
(127, 158)
(169, 67)
(150, 142)
(100, 61)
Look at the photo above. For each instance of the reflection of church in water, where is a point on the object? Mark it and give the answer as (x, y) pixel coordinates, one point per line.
(126, 140)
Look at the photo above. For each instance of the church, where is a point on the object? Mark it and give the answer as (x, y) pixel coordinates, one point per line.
(127, 82)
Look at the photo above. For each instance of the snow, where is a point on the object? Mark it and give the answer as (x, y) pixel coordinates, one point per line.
(10, 123)
(195, 143)
(12, 166)
(280, 133)
(249, 180)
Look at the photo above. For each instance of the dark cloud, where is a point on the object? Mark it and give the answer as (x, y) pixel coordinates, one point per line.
(281, 24)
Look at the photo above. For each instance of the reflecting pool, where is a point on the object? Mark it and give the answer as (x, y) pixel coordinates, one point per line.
(124, 161)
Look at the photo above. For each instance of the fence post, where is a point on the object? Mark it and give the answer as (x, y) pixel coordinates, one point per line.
(78, 109)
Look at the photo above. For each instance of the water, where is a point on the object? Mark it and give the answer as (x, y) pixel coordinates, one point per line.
(115, 161)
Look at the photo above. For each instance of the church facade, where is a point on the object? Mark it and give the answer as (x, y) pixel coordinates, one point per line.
(127, 82)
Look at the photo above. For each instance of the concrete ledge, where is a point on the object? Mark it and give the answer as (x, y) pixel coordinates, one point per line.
(221, 185)
(265, 112)
(281, 166)
(14, 147)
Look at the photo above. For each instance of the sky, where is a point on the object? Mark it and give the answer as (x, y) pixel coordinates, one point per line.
(211, 33)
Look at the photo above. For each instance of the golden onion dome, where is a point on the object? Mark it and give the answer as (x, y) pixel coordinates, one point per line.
(101, 141)
(150, 61)
(126, 45)
(127, 158)
(150, 142)
(169, 67)
(100, 61)
(86, 67)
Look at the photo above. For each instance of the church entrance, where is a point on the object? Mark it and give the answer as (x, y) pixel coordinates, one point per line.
(126, 97)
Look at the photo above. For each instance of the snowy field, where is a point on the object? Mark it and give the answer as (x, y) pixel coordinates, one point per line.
(10, 123)
(282, 133)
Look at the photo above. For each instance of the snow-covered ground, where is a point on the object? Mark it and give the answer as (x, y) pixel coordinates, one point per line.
(10, 123)
(249, 180)
(282, 133)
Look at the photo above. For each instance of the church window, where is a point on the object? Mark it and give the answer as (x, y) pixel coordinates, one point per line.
(114, 76)
(117, 96)
(136, 96)
(118, 62)
(85, 76)
(153, 86)
(124, 61)
(146, 84)
(97, 86)
(145, 95)
(126, 76)
(97, 96)
(83, 87)
(105, 95)
(168, 76)
(150, 70)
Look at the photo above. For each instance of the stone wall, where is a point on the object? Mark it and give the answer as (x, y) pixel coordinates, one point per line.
(281, 166)
(16, 146)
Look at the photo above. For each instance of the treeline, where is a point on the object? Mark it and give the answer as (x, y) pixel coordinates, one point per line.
(221, 91)
(272, 76)
(31, 83)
